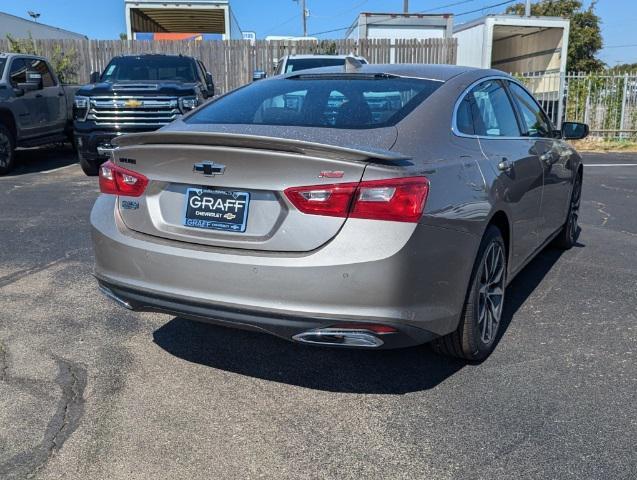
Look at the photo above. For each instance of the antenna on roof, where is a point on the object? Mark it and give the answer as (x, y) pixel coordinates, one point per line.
(352, 64)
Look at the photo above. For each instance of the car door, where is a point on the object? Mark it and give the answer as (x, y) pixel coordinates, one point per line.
(53, 119)
(554, 155)
(517, 173)
(23, 104)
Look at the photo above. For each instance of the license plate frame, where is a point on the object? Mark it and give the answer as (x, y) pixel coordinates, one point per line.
(231, 217)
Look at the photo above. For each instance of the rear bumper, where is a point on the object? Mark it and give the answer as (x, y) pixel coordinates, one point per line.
(413, 278)
(285, 325)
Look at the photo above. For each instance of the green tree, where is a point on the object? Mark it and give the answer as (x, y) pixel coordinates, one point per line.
(64, 62)
(585, 38)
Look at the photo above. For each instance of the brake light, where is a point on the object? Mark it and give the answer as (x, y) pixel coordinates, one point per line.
(116, 180)
(396, 199)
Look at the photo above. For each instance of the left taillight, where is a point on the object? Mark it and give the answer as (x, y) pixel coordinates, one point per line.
(116, 180)
(396, 199)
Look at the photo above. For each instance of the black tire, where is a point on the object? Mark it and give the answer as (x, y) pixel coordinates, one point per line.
(89, 168)
(7, 150)
(477, 332)
(567, 237)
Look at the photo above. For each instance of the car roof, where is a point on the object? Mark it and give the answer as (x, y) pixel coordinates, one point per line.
(13, 54)
(154, 55)
(304, 56)
(431, 72)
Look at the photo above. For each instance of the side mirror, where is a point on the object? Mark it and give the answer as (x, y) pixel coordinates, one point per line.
(258, 75)
(574, 130)
(210, 84)
(95, 77)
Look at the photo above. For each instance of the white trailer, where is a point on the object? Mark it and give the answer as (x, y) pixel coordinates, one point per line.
(180, 20)
(535, 47)
(400, 26)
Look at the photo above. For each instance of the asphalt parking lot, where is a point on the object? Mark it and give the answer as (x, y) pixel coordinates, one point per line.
(89, 390)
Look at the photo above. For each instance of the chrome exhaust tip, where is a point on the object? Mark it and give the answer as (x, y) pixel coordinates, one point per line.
(108, 293)
(339, 337)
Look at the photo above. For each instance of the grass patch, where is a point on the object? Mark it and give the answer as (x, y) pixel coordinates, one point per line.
(605, 145)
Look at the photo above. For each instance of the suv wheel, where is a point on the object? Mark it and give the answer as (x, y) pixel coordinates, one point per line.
(476, 335)
(7, 150)
(89, 168)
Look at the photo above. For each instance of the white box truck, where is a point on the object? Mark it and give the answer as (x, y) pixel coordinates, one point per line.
(535, 47)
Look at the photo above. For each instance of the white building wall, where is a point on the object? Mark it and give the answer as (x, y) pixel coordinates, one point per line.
(470, 47)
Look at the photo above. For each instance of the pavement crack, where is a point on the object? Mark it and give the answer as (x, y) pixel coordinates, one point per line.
(71, 379)
(4, 364)
(600, 208)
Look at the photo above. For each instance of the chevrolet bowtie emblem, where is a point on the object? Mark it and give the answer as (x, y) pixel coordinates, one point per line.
(133, 103)
(210, 169)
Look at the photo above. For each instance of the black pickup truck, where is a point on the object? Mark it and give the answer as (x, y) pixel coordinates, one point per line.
(135, 94)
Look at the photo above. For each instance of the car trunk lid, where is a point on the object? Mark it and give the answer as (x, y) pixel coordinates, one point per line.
(182, 165)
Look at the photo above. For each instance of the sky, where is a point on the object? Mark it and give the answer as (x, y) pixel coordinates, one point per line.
(104, 19)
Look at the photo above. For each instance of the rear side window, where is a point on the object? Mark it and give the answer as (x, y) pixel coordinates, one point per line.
(331, 101)
(42, 68)
(490, 110)
(535, 121)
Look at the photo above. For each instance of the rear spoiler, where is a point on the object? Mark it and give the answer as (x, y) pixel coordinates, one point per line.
(259, 142)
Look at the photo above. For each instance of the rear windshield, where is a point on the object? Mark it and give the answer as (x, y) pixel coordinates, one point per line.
(123, 69)
(295, 64)
(355, 101)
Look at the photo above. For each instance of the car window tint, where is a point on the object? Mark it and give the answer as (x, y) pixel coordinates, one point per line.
(281, 109)
(495, 115)
(18, 72)
(42, 68)
(535, 122)
(464, 117)
(335, 101)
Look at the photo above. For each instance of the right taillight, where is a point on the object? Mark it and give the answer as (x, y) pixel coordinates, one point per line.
(395, 199)
(116, 180)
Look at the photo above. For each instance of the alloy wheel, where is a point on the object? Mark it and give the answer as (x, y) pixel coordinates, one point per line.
(491, 294)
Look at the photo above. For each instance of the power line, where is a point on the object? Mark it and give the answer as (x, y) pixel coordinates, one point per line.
(484, 8)
(424, 11)
(620, 46)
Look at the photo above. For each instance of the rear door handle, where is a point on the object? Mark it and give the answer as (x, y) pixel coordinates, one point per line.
(505, 165)
(38, 95)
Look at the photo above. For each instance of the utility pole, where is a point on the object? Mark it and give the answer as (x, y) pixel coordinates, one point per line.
(304, 13)
(527, 8)
(405, 6)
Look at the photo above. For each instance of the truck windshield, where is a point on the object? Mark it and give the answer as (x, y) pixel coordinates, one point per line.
(148, 68)
(295, 64)
(331, 101)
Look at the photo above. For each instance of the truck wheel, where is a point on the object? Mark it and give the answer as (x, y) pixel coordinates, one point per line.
(89, 168)
(477, 331)
(7, 150)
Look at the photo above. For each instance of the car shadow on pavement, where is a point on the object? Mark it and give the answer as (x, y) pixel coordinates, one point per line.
(32, 160)
(351, 371)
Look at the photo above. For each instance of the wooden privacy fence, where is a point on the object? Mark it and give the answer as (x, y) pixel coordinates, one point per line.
(232, 61)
